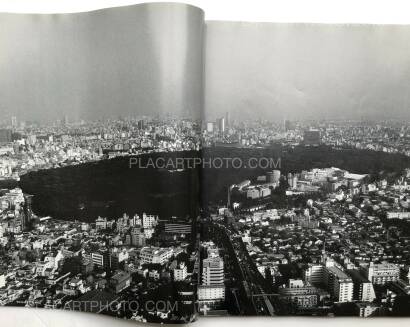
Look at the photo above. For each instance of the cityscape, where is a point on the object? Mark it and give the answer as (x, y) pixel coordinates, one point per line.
(298, 239)
(136, 266)
(319, 241)
(157, 167)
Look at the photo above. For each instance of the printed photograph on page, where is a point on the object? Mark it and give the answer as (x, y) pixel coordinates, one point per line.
(95, 108)
(305, 186)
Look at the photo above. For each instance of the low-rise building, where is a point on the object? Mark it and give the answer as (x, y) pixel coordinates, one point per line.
(120, 281)
(180, 273)
(382, 273)
(151, 254)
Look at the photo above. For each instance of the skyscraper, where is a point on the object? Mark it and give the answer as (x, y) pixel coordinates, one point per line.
(221, 125)
(227, 120)
(210, 127)
(141, 124)
(65, 120)
(14, 121)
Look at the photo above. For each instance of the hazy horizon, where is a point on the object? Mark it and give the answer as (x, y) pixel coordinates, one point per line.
(307, 71)
(142, 59)
(148, 59)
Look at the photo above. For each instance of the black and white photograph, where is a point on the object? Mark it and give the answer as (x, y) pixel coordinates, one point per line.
(157, 166)
(310, 216)
(88, 101)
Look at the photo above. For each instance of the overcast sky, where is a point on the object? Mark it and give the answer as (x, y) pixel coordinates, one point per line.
(147, 59)
(142, 59)
(303, 71)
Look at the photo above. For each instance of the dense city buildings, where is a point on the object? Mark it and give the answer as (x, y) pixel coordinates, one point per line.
(388, 136)
(110, 262)
(319, 240)
(66, 261)
(32, 146)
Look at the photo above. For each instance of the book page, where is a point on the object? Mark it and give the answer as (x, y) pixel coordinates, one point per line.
(305, 201)
(95, 109)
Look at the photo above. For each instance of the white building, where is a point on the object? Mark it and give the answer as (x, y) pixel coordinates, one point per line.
(366, 309)
(148, 232)
(253, 193)
(2, 281)
(100, 259)
(136, 221)
(213, 271)
(149, 221)
(340, 284)
(121, 255)
(315, 274)
(101, 223)
(210, 127)
(295, 283)
(382, 273)
(367, 293)
(151, 254)
(211, 293)
(180, 273)
(398, 215)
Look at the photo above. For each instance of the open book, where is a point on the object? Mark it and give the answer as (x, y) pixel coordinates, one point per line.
(157, 167)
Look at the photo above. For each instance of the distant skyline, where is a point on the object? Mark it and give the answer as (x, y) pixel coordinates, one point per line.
(148, 59)
(307, 71)
(142, 59)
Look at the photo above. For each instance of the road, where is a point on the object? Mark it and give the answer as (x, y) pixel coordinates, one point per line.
(250, 277)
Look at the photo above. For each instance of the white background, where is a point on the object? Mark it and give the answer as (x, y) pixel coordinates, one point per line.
(315, 11)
